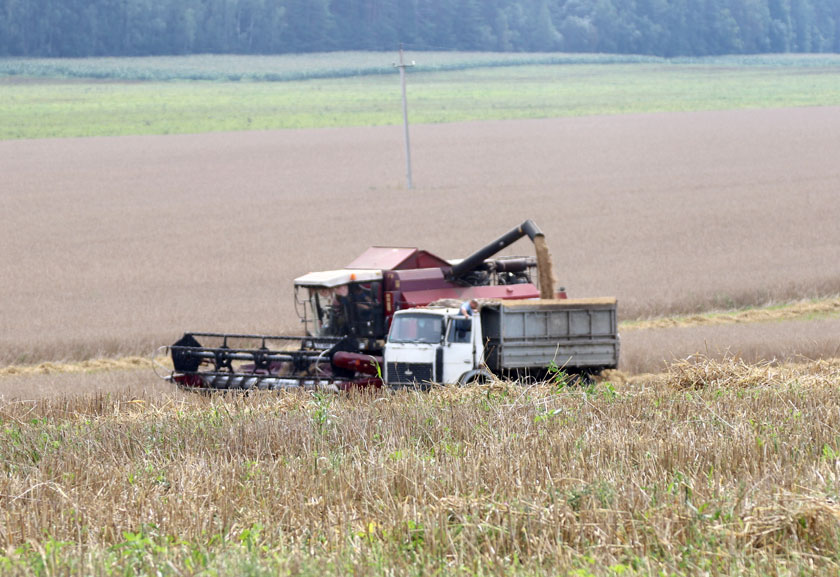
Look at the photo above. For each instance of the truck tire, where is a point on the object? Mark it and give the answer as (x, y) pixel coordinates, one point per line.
(476, 376)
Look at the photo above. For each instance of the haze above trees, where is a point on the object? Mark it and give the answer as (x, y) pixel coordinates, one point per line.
(73, 28)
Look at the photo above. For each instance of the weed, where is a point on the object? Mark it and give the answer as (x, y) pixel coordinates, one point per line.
(321, 415)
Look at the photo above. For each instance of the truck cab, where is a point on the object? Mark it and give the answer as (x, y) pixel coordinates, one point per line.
(433, 345)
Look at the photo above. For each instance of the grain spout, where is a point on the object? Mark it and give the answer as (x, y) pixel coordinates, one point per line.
(544, 267)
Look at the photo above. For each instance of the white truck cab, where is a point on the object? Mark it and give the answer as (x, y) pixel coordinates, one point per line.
(435, 344)
(505, 339)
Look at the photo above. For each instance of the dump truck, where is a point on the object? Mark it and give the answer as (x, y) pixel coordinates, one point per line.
(509, 339)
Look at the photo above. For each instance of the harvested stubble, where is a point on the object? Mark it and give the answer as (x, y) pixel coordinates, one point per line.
(33, 384)
(88, 366)
(804, 309)
(702, 372)
(800, 340)
(737, 475)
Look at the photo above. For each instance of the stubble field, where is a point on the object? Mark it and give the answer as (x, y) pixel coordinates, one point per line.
(717, 468)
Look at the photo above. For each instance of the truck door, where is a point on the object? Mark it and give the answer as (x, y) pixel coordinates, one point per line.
(458, 349)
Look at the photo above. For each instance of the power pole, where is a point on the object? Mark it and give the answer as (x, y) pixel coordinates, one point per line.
(402, 66)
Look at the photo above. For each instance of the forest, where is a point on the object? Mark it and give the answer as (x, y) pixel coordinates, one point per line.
(667, 28)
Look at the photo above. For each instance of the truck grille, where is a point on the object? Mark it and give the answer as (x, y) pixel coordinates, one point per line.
(410, 373)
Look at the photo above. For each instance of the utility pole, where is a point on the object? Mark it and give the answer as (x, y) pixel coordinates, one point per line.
(402, 66)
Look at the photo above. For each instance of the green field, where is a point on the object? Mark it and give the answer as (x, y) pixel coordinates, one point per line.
(61, 98)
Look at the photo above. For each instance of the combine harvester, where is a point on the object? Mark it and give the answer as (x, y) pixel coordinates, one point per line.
(348, 313)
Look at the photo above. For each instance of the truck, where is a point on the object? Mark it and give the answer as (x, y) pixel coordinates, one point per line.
(509, 339)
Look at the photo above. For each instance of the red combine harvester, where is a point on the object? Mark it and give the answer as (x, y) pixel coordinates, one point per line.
(347, 314)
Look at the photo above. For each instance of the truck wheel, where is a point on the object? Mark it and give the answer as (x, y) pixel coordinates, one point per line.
(477, 377)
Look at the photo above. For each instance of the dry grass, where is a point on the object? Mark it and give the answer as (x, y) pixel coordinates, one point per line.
(652, 350)
(114, 245)
(89, 366)
(701, 372)
(720, 467)
(806, 309)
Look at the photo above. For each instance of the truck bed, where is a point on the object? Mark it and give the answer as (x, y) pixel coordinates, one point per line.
(578, 334)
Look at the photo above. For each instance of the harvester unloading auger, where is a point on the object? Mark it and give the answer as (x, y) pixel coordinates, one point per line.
(347, 314)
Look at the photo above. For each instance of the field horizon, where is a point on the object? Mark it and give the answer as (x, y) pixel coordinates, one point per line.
(48, 98)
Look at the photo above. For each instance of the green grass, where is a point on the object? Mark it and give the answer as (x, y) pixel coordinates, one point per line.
(49, 98)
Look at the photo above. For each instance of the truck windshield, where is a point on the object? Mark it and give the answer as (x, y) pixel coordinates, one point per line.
(419, 328)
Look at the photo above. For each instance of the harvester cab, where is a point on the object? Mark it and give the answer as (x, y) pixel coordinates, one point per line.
(338, 303)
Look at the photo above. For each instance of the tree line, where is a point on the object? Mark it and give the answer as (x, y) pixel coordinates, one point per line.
(76, 28)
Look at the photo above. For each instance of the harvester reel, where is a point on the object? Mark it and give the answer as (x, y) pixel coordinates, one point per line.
(261, 361)
(222, 359)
